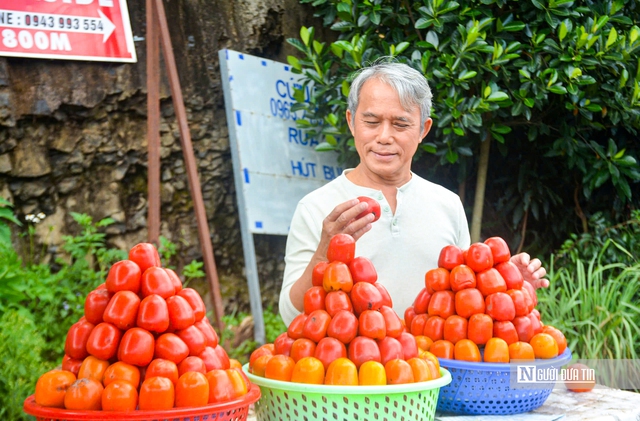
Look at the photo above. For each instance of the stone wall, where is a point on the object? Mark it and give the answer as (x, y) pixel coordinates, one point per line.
(73, 138)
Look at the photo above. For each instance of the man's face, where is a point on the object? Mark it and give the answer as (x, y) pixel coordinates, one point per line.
(386, 135)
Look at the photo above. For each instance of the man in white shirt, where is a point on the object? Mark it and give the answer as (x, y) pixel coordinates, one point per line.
(388, 114)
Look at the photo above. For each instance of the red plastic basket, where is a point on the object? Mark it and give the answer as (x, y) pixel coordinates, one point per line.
(235, 410)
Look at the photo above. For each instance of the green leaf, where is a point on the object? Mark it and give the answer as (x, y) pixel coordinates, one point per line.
(303, 123)
(337, 50)
(601, 177)
(423, 23)
(375, 18)
(623, 186)
(296, 43)
(562, 30)
(499, 128)
(345, 88)
(497, 96)
(317, 46)
(464, 151)
(325, 147)
(514, 27)
(331, 139)
(5, 238)
(294, 62)
(557, 89)
(7, 214)
(304, 35)
(611, 39)
(597, 25)
(432, 38)
(429, 147)
(467, 74)
(452, 156)
(344, 7)
(538, 4)
(401, 47)
(627, 161)
(332, 119)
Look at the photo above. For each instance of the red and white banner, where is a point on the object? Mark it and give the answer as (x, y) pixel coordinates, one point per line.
(95, 30)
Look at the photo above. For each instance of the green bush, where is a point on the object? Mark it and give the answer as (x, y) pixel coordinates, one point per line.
(612, 243)
(38, 305)
(552, 85)
(21, 346)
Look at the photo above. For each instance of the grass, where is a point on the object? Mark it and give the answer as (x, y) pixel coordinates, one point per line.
(595, 305)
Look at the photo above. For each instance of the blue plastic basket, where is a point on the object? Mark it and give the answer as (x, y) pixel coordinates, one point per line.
(484, 388)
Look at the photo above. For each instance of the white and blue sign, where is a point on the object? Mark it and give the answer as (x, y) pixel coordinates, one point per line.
(275, 162)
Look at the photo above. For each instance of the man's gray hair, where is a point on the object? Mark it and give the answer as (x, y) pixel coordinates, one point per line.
(410, 84)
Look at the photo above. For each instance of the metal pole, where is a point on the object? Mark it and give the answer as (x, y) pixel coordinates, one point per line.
(153, 126)
(191, 166)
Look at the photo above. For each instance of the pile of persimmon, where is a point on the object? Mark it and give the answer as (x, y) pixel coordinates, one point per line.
(144, 343)
(348, 333)
(476, 306)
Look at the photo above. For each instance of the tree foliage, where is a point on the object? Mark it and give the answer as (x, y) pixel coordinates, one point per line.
(553, 85)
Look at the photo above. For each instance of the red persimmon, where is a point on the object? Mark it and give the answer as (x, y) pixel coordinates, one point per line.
(153, 314)
(145, 256)
(450, 257)
(373, 207)
(136, 347)
(362, 270)
(122, 310)
(155, 280)
(170, 347)
(104, 341)
(124, 275)
(195, 301)
(342, 248)
(95, 304)
(181, 315)
(75, 344)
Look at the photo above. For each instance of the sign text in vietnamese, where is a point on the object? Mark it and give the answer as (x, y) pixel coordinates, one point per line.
(95, 30)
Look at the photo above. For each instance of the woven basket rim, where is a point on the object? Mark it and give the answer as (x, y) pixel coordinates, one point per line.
(32, 408)
(350, 390)
(560, 360)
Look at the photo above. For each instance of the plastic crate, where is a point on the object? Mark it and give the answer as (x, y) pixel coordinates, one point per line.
(304, 402)
(235, 410)
(484, 388)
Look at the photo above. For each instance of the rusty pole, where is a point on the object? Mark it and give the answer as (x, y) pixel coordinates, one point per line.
(153, 126)
(190, 163)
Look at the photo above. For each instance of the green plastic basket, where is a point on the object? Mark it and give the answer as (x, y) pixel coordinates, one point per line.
(304, 402)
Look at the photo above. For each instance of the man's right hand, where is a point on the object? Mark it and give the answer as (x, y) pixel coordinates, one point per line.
(342, 220)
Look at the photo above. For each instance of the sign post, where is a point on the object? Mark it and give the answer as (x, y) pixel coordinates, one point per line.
(275, 163)
(94, 30)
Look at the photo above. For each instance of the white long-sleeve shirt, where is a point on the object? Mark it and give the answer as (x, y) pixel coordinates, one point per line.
(402, 246)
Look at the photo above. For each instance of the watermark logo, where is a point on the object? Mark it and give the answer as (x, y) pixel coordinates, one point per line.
(612, 373)
(531, 374)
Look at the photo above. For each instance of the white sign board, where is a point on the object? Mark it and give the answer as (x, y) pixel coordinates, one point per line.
(276, 163)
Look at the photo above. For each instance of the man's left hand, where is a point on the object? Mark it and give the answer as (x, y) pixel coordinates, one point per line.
(531, 270)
